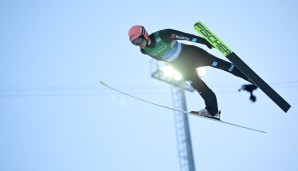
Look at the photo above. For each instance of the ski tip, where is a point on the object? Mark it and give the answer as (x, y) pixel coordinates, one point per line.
(198, 22)
(101, 82)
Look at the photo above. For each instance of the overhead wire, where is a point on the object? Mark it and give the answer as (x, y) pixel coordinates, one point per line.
(98, 91)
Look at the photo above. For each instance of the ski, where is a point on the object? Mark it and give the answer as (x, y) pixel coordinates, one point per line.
(182, 111)
(245, 69)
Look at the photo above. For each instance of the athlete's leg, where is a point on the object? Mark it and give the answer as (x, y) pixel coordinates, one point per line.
(226, 66)
(206, 93)
(196, 57)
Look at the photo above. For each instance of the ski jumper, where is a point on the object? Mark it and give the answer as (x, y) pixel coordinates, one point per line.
(186, 58)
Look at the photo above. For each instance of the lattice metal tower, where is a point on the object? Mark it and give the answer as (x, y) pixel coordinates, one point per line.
(185, 154)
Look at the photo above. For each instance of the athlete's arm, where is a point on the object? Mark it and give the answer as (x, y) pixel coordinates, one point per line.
(169, 35)
(154, 57)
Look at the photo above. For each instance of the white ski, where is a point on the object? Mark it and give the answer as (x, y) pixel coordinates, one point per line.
(182, 111)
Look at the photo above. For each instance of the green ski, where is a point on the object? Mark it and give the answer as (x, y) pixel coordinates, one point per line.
(245, 69)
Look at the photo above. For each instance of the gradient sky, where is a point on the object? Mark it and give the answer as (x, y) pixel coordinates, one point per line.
(55, 115)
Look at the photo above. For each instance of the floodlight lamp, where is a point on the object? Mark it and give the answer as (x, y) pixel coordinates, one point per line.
(177, 76)
(168, 71)
(201, 71)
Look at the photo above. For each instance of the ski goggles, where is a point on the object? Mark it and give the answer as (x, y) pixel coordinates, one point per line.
(138, 41)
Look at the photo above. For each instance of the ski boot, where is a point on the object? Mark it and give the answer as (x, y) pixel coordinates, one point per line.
(205, 113)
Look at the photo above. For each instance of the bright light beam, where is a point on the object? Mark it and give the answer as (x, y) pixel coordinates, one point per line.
(201, 71)
(177, 76)
(170, 72)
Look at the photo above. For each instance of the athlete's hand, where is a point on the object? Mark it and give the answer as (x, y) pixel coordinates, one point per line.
(209, 45)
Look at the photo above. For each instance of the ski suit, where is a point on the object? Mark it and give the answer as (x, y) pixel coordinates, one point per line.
(186, 58)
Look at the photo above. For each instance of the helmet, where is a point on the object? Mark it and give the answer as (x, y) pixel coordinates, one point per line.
(136, 32)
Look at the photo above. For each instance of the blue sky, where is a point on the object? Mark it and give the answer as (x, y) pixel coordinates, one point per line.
(54, 115)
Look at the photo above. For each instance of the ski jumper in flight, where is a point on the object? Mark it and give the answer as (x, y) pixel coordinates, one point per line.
(162, 45)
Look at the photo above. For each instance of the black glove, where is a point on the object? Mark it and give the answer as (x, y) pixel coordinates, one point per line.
(250, 88)
(209, 45)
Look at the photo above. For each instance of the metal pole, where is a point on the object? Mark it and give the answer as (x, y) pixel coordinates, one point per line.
(186, 160)
(185, 153)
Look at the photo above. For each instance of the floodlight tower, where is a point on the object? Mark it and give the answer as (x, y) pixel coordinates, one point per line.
(167, 74)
